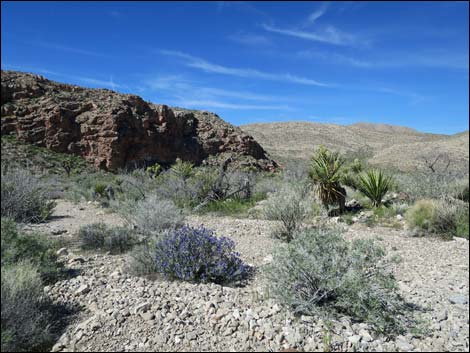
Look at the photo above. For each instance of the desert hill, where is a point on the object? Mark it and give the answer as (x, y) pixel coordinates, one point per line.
(383, 145)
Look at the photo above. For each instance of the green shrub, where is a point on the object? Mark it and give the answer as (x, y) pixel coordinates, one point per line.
(449, 218)
(182, 169)
(462, 228)
(17, 247)
(374, 184)
(24, 197)
(463, 193)
(100, 189)
(154, 170)
(446, 217)
(114, 239)
(421, 215)
(290, 206)
(230, 207)
(320, 273)
(326, 172)
(25, 319)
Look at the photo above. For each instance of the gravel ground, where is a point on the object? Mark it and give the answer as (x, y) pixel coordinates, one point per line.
(125, 313)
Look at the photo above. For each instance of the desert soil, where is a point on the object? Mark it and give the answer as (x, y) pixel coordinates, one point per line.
(120, 312)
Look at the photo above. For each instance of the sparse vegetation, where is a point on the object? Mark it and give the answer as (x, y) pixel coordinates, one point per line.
(24, 197)
(320, 273)
(35, 248)
(153, 215)
(25, 318)
(447, 217)
(289, 205)
(28, 262)
(99, 236)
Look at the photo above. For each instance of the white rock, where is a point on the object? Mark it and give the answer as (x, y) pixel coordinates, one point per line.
(354, 339)
(62, 252)
(83, 289)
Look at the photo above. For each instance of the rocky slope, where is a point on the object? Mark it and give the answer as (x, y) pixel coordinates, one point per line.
(383, 145)
(114, 130)
(121, 312)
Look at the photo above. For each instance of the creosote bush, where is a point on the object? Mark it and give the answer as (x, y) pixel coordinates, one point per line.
(320, 273)
(197, 255)
(24, 197)
(115, 239)
(290, 206)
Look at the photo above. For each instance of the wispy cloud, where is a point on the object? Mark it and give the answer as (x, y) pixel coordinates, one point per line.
(225, 105)
(207, 66)
(315, 15)
(328, 34)
(250, 39)
(178, 84)
(66, 48)
(184, 92)
(429, 59)
(324, 34)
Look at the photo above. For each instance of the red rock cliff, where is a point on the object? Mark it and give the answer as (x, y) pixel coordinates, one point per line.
(115, 130)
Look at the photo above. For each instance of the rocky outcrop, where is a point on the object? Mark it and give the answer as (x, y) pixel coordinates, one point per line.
(115, 130)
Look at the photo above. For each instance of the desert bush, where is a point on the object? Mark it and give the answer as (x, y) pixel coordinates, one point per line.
(232, 206)
(421, 215)
(36, 249)
(25, 319)
(115, 239)
(463, 223)
(374, 184)
(320, 273)
(462, 193)
(24, 197)
(153, 215)
(267, 183)
(450, 217)
(196, 254)
(142, 259)
(445, 217)
(290, 206)
(427, 185)
(183, 192)
(326, 172)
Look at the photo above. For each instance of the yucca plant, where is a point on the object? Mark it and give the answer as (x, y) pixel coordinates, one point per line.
(325, 173)
(182, 169)
(374, 184)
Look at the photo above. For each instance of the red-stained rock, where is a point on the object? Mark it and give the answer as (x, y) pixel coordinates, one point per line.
(114, 130)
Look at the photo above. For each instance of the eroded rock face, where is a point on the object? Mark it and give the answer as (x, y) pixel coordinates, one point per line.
(115, 130)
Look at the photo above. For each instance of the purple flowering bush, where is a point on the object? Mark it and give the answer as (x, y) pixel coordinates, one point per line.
(196, 254)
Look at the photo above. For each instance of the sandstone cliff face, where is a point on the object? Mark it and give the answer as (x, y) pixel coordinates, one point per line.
(115, 130)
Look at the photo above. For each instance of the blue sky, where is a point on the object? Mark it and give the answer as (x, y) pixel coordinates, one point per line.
(401, 63)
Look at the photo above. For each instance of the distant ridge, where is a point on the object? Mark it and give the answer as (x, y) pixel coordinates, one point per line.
(389, 146)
